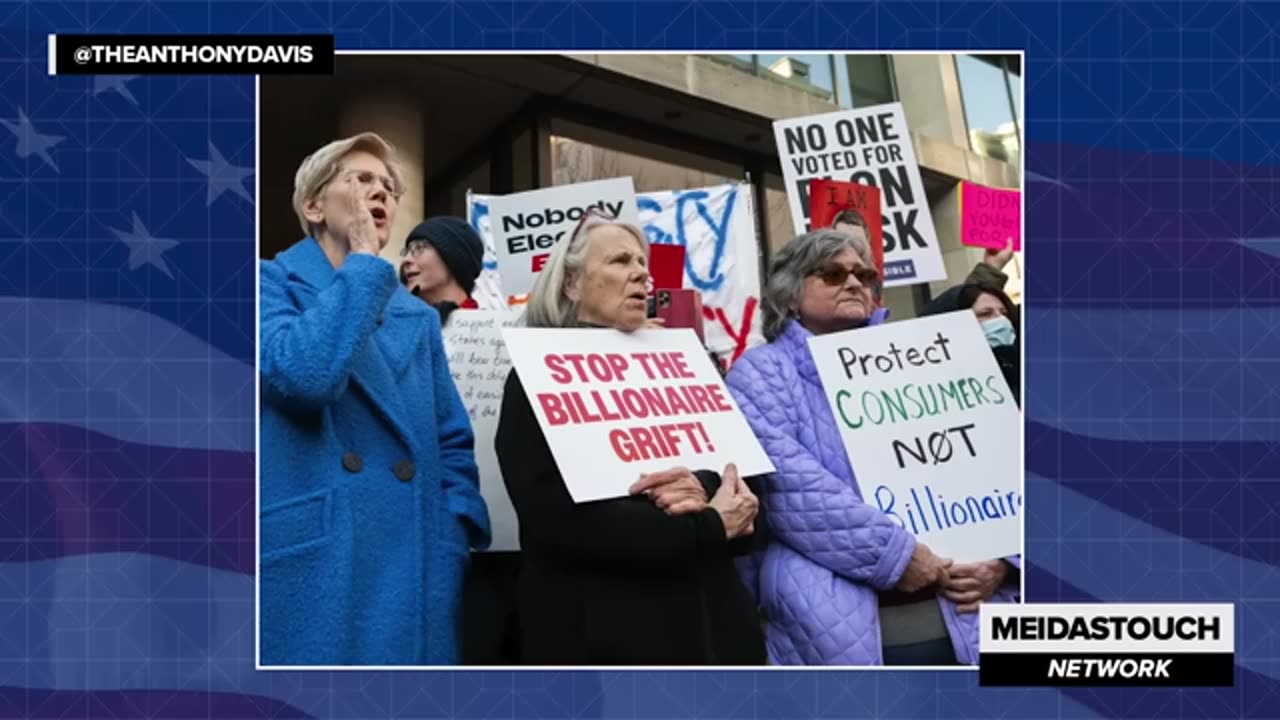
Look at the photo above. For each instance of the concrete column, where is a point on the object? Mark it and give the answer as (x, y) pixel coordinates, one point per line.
(400, 122)
(958, 259)
(930, 96)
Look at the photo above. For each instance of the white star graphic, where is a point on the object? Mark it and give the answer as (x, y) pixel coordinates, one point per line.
(145, 249)
(118, 83)
(31, 142)
(223, 176)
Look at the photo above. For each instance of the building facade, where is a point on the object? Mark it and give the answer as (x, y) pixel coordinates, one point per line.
(507, 123)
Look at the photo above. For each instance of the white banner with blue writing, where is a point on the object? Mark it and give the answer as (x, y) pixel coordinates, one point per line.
(716, 226)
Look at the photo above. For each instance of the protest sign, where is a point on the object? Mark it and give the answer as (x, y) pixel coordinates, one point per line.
(990, 217)
(666, 266)
(828, 198)
(615, 405)
(527, 225)
(479, 362)
(716, 227)
(931, 430)
(871, 146)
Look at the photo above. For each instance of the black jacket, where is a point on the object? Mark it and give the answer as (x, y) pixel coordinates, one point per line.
(619, 582)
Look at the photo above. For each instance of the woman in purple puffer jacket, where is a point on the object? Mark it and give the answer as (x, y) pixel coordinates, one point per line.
(839, 582)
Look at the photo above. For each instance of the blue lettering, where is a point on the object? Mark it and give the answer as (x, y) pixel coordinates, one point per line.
(481, 210)
(887, 509)
(713, 278)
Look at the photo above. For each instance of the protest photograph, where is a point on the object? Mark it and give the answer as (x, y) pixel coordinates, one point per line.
(629, 360)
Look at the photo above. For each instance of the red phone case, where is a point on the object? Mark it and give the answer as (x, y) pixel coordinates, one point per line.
(681, 308)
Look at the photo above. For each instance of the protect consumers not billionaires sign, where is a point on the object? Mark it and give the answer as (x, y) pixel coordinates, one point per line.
(871, 146)
(527, 225)
(614, 405)
(931, 430)
(1107, 645)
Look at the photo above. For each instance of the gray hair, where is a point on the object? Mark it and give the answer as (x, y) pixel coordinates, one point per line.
(795, 262)
(549, 304)
(322, 165)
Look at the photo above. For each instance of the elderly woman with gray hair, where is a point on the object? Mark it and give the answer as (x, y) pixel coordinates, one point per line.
(841, 583)
(369, 492)
(647, 579)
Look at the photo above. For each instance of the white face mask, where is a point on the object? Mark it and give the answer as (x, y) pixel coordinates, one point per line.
(999, 331)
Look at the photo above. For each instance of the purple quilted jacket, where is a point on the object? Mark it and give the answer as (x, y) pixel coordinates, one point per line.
(829, 552)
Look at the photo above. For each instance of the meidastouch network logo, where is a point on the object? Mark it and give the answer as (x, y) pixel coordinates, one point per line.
(1108, 645)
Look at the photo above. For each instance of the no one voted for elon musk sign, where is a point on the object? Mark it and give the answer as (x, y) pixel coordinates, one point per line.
(614, 405)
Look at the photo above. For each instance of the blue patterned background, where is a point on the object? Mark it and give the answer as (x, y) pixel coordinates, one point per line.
(127, 267)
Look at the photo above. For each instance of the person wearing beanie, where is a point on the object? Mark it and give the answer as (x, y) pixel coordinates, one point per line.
(442, 258)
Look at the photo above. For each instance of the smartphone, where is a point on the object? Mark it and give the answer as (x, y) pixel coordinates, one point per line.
(680, 308)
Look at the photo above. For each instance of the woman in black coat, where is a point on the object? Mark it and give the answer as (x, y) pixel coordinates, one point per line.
(647, 579)
(1000, 323)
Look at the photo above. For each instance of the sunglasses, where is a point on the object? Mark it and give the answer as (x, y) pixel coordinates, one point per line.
(837, 275)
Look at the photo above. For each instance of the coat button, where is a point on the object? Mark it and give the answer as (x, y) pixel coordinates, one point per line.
(352, 462)
(403, 470)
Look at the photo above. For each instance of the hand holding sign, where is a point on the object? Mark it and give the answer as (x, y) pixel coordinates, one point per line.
(924, 570)
(969, 584)
(737, 505)
(675, 491)
(998, 257)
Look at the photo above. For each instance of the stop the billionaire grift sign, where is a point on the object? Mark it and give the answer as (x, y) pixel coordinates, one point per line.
(614, 405)
(526, 226)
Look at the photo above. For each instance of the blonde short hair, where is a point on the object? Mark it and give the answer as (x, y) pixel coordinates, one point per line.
(549, 305)
(322, 165)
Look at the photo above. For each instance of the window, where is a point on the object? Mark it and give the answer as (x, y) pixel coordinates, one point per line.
(850, 81)
(991, 107)
(811, 73)
(869, 79)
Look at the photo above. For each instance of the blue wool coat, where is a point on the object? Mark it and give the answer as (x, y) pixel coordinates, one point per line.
(370, 495)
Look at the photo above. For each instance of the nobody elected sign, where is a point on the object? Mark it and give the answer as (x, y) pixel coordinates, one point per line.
(614, 405)
(527, 225)
(931, 428)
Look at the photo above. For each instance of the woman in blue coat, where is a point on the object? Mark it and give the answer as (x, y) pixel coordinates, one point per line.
(369, 496)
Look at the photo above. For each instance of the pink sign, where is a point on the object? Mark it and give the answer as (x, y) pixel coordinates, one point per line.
(989, 217)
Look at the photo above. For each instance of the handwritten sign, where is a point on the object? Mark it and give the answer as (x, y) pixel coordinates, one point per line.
(616, 405)
(716, 227)
(990, 217)
(527, 225)
(931, 428)
(829, 198)
(479, 362)
(871, 146)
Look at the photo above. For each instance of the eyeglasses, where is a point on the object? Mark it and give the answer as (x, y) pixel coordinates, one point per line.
(414, 248)
(836, 275)
(367, 178)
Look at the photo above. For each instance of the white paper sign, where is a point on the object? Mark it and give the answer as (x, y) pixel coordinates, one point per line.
(614, 405)
(871, 146)
(931, 430)
(479, 362)
(527, 225)
(716, 225)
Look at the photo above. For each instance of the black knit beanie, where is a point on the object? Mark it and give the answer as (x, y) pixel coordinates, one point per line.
(458, 245)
